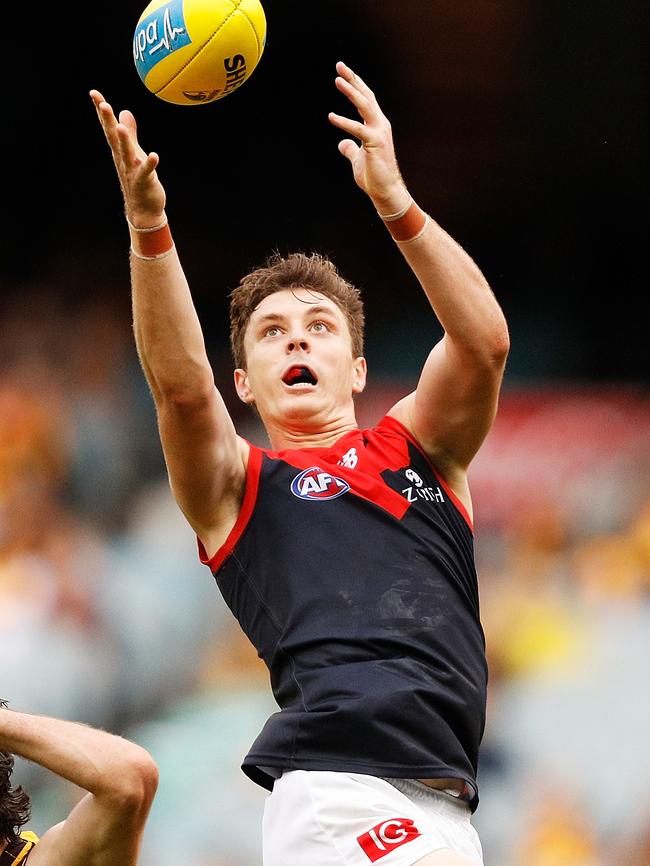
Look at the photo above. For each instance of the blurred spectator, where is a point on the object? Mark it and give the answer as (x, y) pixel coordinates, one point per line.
(558, 832)
(160, 603)
(634, 851)
(55, 656)
(530, 611)
(609, 569)
(115, 448)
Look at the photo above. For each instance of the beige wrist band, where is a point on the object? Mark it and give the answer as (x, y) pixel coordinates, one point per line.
(145, 231)
(391, 217)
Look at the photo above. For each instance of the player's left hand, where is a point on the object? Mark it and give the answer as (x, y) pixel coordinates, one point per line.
(374, 164)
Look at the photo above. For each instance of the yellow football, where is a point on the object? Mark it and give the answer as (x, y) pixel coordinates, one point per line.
(191, 52)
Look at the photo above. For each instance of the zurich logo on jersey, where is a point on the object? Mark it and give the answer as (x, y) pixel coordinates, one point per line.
(315, 483)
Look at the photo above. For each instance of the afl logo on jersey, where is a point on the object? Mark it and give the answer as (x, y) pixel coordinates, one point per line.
(316, 484)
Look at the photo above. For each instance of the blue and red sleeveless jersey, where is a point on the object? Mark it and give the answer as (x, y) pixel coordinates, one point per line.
(351, 570)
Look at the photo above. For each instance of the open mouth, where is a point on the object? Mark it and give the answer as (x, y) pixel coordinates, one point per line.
(299, 375)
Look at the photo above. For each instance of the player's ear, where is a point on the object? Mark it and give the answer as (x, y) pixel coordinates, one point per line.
(242, 387)
(360, 371)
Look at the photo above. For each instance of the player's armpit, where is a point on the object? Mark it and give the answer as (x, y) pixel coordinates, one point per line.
(206, 460)
(451, 411)
(455, 401)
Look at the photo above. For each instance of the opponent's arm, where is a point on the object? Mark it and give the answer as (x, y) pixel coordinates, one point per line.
(454, 404)
(121, 778)
(204, 456)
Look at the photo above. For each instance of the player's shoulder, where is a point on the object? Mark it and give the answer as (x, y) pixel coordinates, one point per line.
(394, 425)
(398, 417)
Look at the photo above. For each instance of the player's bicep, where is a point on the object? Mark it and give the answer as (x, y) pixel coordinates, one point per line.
(203, 455)
(454, 404)
(94, 834)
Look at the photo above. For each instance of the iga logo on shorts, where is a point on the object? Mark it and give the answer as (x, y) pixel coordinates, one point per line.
(314, 483)
(385, 837)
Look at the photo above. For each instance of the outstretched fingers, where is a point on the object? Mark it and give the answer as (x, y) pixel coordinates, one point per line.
(132, 159)
(135, 168)
(106, 117)
(372, 155)
(96, 97)
(143, 193)
(120, 132)
(358, 92)
(370, 129)
(127, 138)
(353, 127)
(352, 78)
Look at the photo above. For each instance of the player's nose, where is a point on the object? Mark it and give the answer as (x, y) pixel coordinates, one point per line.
(297, 340)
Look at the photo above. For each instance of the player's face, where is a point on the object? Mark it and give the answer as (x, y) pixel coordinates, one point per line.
(299, 361)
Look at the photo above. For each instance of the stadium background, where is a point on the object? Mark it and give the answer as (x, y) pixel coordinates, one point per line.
(522, 127)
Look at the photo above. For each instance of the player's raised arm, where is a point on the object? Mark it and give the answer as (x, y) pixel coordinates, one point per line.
(205, 458)
(455, 401)
(106, 826)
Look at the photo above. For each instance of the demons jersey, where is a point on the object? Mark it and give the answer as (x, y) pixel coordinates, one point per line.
(351, 570)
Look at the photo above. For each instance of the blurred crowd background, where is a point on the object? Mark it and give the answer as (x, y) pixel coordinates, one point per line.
(522, 127)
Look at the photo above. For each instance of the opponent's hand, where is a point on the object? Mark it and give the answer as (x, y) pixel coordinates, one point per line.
(374, 164)
(144, 195)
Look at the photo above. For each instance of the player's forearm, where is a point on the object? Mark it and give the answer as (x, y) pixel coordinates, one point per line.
(95, 760)
(458, 292)
(167, 330)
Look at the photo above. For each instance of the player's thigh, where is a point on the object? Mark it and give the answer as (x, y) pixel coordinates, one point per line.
(445, 857)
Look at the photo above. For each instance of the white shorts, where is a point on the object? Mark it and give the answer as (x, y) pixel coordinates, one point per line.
(349, 819)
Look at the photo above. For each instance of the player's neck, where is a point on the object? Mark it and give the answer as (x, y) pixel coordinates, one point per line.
(285, 437)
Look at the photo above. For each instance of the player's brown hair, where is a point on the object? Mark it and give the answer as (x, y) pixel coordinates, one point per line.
(295, 271)
(14, 802)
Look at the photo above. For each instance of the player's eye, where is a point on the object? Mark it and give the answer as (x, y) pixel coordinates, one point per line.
(273, 331)
(319, 327)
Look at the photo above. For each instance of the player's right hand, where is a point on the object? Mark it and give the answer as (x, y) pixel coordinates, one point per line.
(144, 195)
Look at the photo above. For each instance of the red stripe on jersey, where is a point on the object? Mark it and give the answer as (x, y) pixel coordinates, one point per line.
(376, 453)
(384, 447)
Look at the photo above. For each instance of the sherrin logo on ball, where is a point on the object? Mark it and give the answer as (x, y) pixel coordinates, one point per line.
(191, 52)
